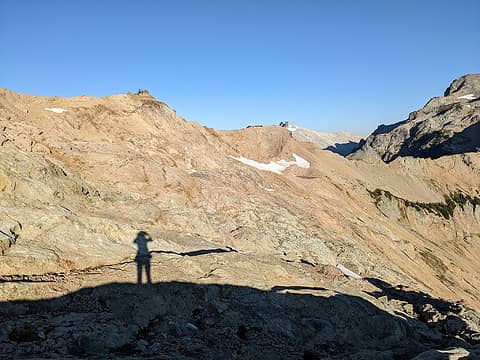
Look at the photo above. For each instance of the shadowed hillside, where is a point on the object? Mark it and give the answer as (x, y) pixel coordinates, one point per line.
(176, 320)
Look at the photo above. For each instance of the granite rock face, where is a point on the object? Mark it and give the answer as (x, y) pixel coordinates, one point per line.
(444, 126)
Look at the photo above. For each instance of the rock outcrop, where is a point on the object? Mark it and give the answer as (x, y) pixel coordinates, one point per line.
(444, 126)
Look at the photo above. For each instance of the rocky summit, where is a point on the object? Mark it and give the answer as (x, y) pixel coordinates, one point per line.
(127, 231)
(446, 125)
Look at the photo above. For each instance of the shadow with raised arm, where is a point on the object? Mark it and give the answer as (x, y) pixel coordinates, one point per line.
(143, 256)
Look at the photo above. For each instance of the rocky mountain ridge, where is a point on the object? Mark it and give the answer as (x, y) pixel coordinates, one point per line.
(444, 126)
(81, 177)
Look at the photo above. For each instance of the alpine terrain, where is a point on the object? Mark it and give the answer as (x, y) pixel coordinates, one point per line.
(258, 243)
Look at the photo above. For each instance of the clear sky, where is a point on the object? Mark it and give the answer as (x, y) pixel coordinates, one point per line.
(326, 65)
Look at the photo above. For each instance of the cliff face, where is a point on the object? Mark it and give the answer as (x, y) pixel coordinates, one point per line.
(252, 208)
(444, 126)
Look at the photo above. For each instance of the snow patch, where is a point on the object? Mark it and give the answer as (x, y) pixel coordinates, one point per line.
(268, 189)
(291, 128)
(277, 167)
(468, 97)
(301, 162)
(56, 110)
(348, 272)
(274, 166)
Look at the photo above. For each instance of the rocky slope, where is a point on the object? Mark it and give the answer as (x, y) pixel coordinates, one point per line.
(340, 142)
(444, 126)
(264, 241)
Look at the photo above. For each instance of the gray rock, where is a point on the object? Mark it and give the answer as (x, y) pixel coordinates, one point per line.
(444, 126)
(191, 327)
(340, 142)
(141, 345)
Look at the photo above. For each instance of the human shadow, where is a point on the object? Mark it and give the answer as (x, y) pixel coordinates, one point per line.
(197, 252)
(143, 256)
(206, 321)
(440, 314)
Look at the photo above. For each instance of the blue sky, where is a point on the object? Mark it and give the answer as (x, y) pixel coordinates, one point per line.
(327, 65)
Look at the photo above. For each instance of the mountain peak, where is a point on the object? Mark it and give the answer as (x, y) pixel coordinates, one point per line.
(444, 126)
(469, 83)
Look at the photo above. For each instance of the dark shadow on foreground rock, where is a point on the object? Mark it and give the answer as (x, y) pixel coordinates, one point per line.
(453, 320)
(174, 320)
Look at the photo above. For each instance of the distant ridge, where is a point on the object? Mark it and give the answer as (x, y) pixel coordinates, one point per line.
(340, 142)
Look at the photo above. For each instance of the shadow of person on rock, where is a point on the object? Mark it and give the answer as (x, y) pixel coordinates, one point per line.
(143, 256)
